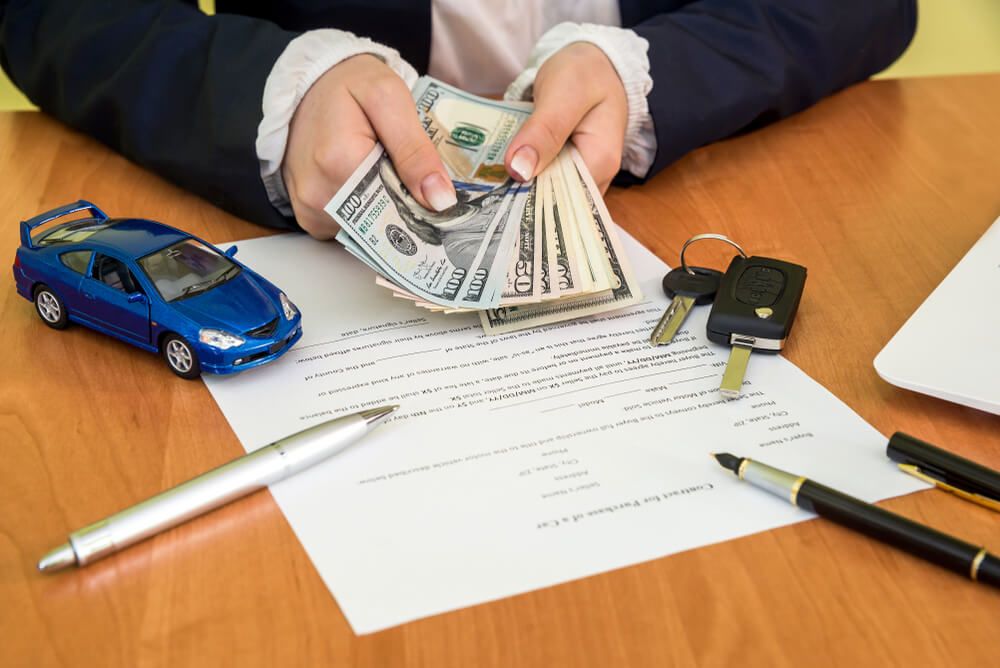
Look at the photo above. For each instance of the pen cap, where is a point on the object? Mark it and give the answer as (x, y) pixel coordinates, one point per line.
(943, 465)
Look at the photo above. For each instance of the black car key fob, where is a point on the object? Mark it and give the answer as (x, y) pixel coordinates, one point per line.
(754, 309)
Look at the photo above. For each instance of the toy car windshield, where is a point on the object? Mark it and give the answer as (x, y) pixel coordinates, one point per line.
(187, 268)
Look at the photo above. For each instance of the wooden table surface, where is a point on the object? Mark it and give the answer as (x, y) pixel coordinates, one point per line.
(878, 190)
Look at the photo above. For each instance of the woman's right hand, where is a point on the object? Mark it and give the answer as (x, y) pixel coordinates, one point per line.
(356, 103)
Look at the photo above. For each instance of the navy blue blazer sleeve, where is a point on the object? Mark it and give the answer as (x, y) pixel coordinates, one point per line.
(172, 89)
(721, 67)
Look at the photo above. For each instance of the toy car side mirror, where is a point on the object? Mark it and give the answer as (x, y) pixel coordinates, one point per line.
(137, 298)
(231, 251)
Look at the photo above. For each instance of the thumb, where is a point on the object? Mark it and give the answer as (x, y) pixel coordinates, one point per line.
(556, 115)
(394, 118)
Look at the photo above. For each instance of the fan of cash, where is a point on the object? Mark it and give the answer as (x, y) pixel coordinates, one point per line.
(520, 254)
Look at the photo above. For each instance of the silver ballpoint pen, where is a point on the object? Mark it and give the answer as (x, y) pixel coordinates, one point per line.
(249, 473)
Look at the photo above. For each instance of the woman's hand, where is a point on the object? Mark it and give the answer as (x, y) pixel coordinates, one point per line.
(356, 103)
(578, 96)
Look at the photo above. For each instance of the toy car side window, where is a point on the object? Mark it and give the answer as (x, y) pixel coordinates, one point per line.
(77, 260)
(112, 271)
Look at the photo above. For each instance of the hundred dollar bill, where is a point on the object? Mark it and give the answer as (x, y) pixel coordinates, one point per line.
(357, 251)
(513, 211)
(470, 133)
(446, 258)
(501, 245)
(354, 249)
(627, 293)
(457, 258)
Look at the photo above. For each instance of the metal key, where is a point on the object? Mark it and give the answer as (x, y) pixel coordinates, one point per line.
(686, 287)
(754, 310)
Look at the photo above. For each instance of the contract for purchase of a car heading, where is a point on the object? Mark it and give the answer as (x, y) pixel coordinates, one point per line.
(524, 460)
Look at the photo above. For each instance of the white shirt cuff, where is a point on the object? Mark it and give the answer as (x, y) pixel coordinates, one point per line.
(627, 52)
(304, 60)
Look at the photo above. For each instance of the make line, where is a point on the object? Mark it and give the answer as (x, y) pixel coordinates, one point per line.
(688, 380)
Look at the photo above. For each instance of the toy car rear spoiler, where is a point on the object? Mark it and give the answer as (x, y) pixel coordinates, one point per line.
(65, 210)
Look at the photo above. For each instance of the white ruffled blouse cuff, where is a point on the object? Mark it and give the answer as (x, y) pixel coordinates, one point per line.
(304, 60)
(627, 52)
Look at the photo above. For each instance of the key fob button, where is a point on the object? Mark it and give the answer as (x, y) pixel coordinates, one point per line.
(759, 286)
(755, 298)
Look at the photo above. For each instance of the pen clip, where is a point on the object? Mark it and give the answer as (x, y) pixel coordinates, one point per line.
(979, 499)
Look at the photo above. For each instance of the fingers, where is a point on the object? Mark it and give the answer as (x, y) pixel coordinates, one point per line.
(311, 187)
(317, 161)
(388, 104)
(353, 105)
(599, 138)
(560, 104)
(578, 96)
(327, 138)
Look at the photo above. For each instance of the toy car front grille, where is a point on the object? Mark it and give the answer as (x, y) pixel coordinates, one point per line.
(263, 331)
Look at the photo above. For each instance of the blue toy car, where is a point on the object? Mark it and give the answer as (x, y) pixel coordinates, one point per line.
(155, 287)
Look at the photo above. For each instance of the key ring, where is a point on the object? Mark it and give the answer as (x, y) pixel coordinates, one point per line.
(699, 237)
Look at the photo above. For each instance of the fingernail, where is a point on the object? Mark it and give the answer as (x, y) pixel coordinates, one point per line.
(438, 192)
(524, 161)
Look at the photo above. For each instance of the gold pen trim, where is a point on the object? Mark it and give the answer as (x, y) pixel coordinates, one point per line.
(794, 496)
(743, 467)
(978, 499)
(974, 568)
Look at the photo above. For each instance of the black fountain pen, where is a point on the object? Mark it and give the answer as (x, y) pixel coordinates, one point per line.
(922, 541)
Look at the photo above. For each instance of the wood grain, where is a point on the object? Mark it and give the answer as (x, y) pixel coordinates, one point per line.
(878, 190)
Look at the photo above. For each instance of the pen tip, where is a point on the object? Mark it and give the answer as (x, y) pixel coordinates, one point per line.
(728, 461)
(58, 559)
(373, 416)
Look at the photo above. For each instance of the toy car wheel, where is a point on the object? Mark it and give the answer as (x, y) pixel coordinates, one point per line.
(181, 357)
(50, 308)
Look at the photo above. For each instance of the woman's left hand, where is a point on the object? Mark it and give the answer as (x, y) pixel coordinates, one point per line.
(580, 97)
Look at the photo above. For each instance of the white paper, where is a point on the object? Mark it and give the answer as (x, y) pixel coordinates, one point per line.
(520, 461)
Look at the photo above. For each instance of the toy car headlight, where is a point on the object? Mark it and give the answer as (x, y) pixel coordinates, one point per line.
(287, 306)
(220, 339)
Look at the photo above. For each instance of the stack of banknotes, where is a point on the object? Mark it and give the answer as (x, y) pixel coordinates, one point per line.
(521, 254)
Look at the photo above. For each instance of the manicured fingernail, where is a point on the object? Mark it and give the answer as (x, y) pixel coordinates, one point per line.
(438, 192)
(524, 161)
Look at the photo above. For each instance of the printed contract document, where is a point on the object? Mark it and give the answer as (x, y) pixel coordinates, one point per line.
(528, 459)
